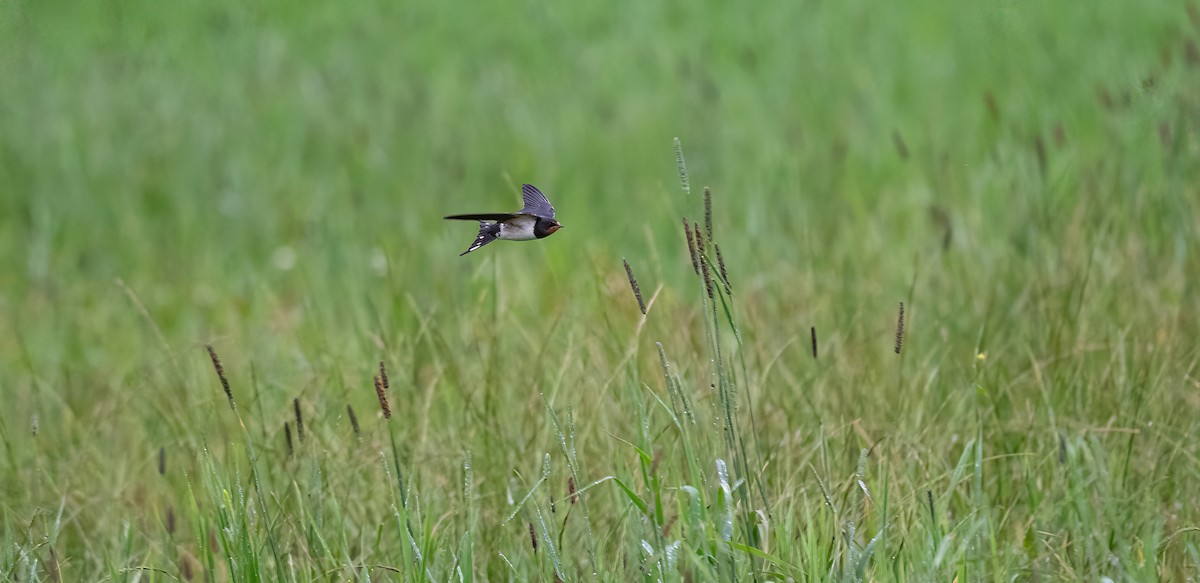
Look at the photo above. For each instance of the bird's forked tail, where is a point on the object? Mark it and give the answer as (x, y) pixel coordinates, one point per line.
(487, 233)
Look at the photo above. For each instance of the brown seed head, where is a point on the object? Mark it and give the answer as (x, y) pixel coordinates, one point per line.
(721, 270)
(299, 420)
(532, 537)
(993, 108)
(708, 221)
(383, 376)
(381, 394)
(637, 291)
(708, 282)
(287, 434)
(687, 229)
(571, 489)
(353, 420)
(216, 362)
(901, 147)
(900, 329)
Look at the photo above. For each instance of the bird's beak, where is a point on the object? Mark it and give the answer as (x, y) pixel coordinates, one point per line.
(556, 226)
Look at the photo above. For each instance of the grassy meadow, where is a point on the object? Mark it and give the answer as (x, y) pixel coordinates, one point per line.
(268, 179)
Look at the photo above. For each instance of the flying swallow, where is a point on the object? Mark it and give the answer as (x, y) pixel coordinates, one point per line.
(534, 221)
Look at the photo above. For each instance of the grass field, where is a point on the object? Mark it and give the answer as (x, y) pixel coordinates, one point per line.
(269, 178)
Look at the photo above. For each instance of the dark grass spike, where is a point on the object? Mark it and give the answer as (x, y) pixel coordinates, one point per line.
(687, 229)
(1039, 150)
(299, 420)
(706, 272)
(699, 240)
(170, 520)
(813, 331)
(1060, 136)
(383, 376)
(941, 219)
(216, 362)
(533, 537)
(721, 270)
(287, 434)
(900, 329)
(186, 568)
(708, 221)
(1105, 98)
(901, 146)
(571, 490)
(162, 461)
(353, 420)
(633, 283)
(681, 164)
(993, 108)
(381, 394)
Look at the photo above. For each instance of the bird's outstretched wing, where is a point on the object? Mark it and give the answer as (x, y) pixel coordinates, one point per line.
(535, 202)
(483, 217)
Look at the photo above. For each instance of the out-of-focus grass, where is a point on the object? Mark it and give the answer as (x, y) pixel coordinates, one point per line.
(270, 178)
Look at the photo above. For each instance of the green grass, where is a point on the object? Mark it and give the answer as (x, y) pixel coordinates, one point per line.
(268, 179)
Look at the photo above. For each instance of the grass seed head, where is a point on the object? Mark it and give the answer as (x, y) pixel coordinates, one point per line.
(532, 537)
(901, 146)
(381, 394)
(706, 272)
(989, 101)
(900, 329)
(708, 221)
(813, 331)
(691, 240)
(353, 420)
(721, 270)
(162, 461)
(571, 489)
(681, 164)
(299, 420)
(216, 362)
(287, 434)
(633, 283)
(383, 376)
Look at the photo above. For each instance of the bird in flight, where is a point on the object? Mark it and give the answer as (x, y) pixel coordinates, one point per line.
(534, 221)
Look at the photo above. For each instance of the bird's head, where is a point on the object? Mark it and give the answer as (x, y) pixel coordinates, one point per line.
(546, 227)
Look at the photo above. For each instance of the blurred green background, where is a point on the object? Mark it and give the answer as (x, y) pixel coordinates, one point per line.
(270, 178)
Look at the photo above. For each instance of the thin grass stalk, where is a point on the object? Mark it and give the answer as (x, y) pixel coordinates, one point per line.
(253, 456)
(566, 441)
